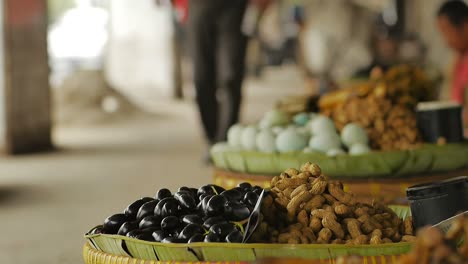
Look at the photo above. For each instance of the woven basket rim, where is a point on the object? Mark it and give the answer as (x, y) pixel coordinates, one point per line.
(250, 245)
(93, 256)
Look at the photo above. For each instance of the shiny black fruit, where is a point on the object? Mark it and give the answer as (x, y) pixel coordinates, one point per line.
(170, 208)
(215, 205)
(173, 240)
(228, 211)
(204, 202)
(113, 223)
(205, 190)
(184, 189)
(151, 229)
(236, 211)
(127, 227)
(149, 221)
(186, 200)
(158, 209)
(196, 238)
(97, 230)
(192, 219)
(132, 210)
(233, 195)
(213, 220)
(239, 189)
(147, 199)
(134, 233)
(222, 230)
(211, 237)
(170, 223)
(210, 189)
(191, 230)
(204, 195)
(234, 237)
(159, 235)
(146, 209)
(163, 193)
(251, 199)
(218, 189)
(245, 186)
(146, 236)
(257, 189)
(194, 192)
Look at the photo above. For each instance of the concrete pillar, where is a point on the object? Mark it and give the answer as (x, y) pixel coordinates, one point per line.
(25, 104)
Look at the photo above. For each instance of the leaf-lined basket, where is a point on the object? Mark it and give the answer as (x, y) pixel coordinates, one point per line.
(128, 247)
(379, 164)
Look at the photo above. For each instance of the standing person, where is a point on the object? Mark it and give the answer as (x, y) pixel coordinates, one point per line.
(452, 20)
(218, 52)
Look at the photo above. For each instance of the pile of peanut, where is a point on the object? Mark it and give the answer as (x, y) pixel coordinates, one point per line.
(432, 246)
(305, 207)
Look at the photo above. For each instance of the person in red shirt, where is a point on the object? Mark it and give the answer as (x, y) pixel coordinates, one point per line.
(452, 20)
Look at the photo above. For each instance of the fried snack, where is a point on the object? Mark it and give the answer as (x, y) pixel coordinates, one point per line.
(384, 107)
(432, 246)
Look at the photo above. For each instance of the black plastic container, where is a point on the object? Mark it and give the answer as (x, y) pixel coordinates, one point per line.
(440, 120)
(436, 201)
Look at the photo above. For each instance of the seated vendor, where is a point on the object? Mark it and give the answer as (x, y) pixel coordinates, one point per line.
(453, 23)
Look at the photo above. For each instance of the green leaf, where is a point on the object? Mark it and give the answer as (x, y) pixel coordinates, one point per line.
(286, 161)
(235, 161)
(380, 250)
(366, 165)
(448, 157)
(141, 249)
(394, 159)
(218, 160)
(419, 161)
(315, 251)
(260, 163)
(110, 244)
(166, 253)
(402, 211)
(227, 252)
(378, 164)
(93, 245)
(292, 251)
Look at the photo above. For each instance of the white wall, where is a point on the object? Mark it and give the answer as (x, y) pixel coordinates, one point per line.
(336, 38)
(140, 59)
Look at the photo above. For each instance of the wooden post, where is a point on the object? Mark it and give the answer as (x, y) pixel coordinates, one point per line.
(26, 105)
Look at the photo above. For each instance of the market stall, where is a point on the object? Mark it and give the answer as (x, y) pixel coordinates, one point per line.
(377, 136)
(305, 215)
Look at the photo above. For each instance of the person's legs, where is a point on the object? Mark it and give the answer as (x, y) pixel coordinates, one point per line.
(203, 44)
(231, 50)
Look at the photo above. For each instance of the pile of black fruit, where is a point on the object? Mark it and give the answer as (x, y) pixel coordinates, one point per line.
(207, 214)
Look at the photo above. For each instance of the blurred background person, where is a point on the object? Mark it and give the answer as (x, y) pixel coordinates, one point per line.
(385, 54)
(452, 20)
(218, 48)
